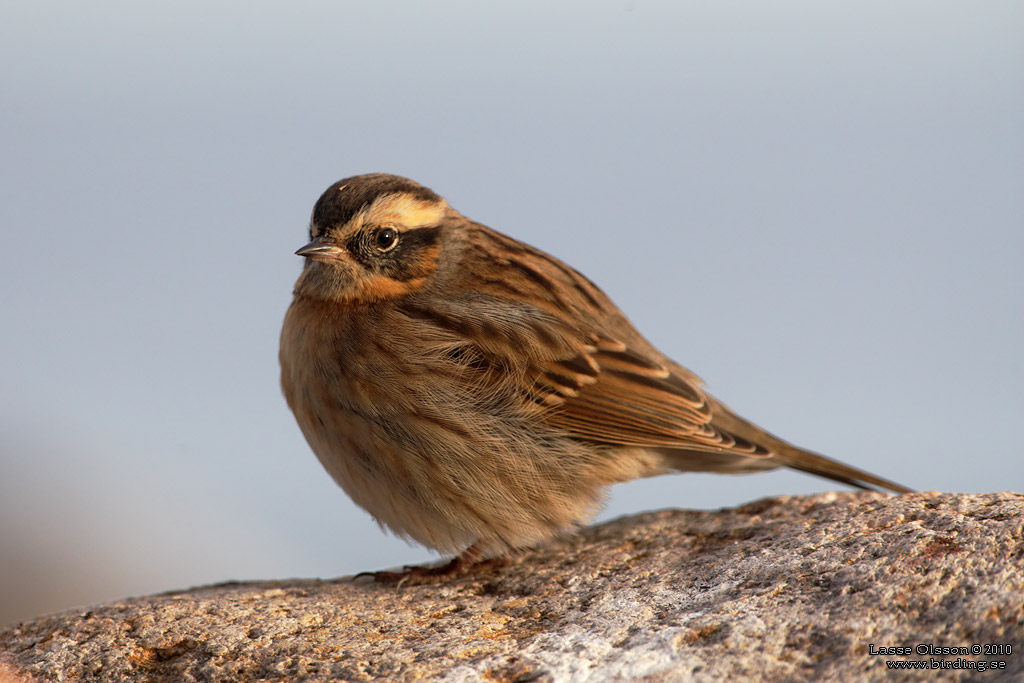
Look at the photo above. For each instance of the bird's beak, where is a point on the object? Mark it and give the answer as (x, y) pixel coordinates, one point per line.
(321, 249)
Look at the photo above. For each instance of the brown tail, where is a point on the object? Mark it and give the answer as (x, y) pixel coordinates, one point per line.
(813, 463)
(795, 458)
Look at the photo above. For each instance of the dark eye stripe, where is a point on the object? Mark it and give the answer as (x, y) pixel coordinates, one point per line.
(418, 239)
(410, 258)
(402, 262)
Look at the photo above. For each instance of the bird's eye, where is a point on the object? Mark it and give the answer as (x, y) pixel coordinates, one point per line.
(386, 239)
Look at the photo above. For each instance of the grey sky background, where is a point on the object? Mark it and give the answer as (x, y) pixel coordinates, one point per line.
(818, 207)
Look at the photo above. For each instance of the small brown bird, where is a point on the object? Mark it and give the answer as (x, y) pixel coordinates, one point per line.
(477, 395)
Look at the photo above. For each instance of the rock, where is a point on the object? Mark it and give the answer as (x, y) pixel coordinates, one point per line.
(794, 588)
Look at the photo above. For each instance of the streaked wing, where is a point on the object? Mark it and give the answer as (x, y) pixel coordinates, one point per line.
(612, 394)
(594, 376)
(595, 387)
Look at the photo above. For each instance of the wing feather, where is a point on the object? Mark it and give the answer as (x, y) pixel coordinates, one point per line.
(612, 394)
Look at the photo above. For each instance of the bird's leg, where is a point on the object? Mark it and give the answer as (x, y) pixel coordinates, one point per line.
(463, 563)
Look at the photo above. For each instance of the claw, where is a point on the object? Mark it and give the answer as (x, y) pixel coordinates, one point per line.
(465, 562)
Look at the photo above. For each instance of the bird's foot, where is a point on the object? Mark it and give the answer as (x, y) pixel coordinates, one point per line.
(466, 562)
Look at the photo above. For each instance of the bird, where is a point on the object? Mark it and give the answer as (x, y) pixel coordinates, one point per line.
(477, 395)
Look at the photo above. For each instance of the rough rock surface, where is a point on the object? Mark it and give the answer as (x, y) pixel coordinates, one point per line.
(801, 588)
